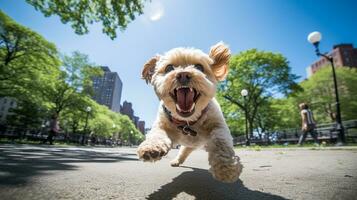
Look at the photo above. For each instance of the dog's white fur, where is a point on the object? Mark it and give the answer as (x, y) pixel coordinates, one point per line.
(212, 131)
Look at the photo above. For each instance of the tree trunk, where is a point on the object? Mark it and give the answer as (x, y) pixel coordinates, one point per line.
(250, 129)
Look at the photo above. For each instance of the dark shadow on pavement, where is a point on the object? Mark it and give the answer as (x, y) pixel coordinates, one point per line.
(200, 184)
(18, 165)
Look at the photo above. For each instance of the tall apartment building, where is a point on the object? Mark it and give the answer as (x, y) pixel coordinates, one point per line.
(343, 55)
(108, 89)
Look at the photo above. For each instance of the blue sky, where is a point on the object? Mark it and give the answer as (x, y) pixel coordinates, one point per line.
(273, 25)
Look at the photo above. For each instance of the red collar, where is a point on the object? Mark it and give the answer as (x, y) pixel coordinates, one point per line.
(184, 126)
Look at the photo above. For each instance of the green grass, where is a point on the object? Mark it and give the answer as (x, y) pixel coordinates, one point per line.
(277, 146)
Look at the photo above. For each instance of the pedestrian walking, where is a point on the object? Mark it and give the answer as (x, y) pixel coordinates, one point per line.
(308, 124)
(54, 129)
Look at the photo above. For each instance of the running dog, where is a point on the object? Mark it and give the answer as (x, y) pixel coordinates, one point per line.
(185, 80)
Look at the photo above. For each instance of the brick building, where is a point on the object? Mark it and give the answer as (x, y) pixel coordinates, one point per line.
(343, 55)
(141, 126)
(127, 109)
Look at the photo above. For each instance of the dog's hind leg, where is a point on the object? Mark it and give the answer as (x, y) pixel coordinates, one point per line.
(184, 152)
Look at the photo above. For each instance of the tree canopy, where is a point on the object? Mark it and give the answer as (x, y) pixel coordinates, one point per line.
(319, 92)
(264, 75)
(23, 55)
(80, 14)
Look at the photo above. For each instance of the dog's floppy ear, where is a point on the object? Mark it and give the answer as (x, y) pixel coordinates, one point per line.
(149, 69)
(220, 55)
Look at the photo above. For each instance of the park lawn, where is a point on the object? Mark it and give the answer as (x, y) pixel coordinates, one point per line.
(309, 146)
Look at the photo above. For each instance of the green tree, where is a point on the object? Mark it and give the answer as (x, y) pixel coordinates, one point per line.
(27, 115)
(285, 112)
(23, 55)
(319, 93)
(263, 74)
(112, 14)
(79, 71)
(68, 91)
(107, 123)
(43, 84)
(28, 63)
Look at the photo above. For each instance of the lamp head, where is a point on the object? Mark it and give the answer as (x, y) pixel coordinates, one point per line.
(314, 37)
(244, 92)
(88, 109)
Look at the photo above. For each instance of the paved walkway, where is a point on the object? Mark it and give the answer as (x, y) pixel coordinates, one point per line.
(42, 172)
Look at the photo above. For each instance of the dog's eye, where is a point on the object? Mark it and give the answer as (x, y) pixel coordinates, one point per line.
(169, 68)
(199, 67)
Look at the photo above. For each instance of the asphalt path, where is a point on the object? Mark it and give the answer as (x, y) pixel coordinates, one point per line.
(48, 172)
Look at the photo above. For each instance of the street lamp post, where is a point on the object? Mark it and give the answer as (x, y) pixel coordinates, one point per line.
(315, 38)
(88, 109)
(244, 93)
(115, 137)
(131, 132)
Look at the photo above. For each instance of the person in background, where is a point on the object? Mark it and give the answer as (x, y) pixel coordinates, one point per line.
(308, 124)
(54, 129)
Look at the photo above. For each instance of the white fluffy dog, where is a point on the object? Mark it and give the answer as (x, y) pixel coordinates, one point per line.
(185, 81)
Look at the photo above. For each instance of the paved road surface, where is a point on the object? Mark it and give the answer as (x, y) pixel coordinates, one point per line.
(42, 172)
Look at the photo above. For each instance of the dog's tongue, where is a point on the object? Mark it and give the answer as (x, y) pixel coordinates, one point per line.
(185, 98)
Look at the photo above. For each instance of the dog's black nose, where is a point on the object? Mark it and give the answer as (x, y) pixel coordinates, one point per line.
(183, 77)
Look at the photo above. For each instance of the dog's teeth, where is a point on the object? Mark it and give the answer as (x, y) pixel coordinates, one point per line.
(191, 89)
(178, 108)
(192, 107)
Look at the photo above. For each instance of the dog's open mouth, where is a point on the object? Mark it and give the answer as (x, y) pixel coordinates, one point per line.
(185, 99)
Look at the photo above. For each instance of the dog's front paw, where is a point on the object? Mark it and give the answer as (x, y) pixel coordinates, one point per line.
(149, 151)
(175, 163)
(227, 172)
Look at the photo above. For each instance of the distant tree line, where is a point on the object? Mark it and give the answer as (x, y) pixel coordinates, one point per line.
(44, 82)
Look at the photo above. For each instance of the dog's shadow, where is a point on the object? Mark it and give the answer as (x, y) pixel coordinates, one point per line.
(200, 184)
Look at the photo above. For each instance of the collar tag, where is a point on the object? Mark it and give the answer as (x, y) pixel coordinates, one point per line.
(186, 130)
(184, 126)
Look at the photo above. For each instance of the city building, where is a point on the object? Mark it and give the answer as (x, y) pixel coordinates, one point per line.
(343, 55)
(136, 120)
(127, 109)
(108, 89)
(6, 103)
(141, 126)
